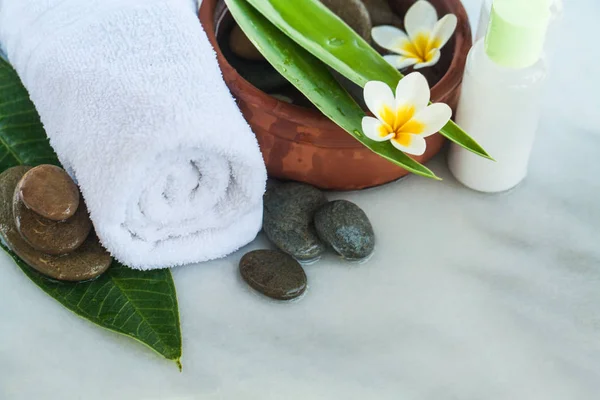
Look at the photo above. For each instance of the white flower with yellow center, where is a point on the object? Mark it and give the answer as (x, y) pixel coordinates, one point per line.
(425, 36)
(406, 119)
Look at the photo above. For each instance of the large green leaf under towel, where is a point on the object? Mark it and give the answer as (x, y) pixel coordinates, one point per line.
(139, 304)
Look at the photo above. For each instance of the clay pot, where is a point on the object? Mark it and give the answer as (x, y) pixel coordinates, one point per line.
(303, 145)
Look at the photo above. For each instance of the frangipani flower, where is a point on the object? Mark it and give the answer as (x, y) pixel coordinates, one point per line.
(425, 36)
(405, 119)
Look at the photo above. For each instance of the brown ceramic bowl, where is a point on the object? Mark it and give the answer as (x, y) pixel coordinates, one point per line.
(303, 145)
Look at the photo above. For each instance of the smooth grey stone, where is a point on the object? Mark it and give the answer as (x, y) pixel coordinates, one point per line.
(354, 13)
(272, 183)
(260, 74)
(380, 12)
(352, 88)
(289, 94)
(274, 274)
(346, 228)
(282, 97)
(288, 219)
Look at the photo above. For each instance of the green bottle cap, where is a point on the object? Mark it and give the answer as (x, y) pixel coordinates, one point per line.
(517, 32)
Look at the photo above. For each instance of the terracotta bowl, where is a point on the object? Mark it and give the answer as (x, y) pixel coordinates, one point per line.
(301, 144)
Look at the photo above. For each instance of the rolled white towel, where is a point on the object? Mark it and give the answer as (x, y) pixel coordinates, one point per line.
(135, 106)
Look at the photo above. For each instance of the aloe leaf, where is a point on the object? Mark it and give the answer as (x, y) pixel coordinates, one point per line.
(322, 33)
(315, 81)
(139, 304)
(457, 135)
(314, 27)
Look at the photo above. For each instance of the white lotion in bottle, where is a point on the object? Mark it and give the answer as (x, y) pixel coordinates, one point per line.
(501, 95)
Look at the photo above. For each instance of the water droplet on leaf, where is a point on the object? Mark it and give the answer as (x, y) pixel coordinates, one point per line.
(335, 41)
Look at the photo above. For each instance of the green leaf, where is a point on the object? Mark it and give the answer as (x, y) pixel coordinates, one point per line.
(315, 81)
(310, 24)
(457, 135)
(139, 304)
(23, 140)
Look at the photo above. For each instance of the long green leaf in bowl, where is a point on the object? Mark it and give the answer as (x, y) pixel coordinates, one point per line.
(322, 33)
(139, 304)
(315, 81)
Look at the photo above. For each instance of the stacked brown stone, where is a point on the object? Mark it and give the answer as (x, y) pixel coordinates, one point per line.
(43, 220)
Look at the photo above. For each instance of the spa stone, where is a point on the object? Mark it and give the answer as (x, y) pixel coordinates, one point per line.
(274, 274)
(87, 262)
(50, 192)
(8, 181)
(288, 219)
(380, 12)
(259, 73)
(346, 228)
(242, 47)
(354, 13)
(48, 236)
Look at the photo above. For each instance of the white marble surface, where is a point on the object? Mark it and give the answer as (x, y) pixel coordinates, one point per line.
(468, 296)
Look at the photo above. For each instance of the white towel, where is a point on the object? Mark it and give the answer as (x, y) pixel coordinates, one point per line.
(135, 106)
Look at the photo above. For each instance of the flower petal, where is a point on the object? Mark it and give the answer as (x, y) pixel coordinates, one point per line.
(400, 62)
(443, 31)
(374, 129)
(390, 38)
(378, 96)
(434, 57)
(421, 17)
(415, 145)
(413, 90)
(433, 118)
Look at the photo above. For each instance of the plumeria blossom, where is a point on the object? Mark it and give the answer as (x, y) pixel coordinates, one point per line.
(405, 119)
(421, 44)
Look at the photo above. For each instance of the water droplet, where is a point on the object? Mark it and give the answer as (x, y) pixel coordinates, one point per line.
(284, 69)
(335, 41)
(357, 133)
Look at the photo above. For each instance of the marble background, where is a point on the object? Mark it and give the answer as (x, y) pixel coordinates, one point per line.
(468, 296)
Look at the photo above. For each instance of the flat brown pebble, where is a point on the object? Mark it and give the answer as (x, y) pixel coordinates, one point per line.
(89, 261)
(48, 236)
(242, 46)
(274, 274)
(50, 192)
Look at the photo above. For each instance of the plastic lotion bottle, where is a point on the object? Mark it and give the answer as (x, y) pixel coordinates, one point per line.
(501, 95)
(486, 9)
(484, 19)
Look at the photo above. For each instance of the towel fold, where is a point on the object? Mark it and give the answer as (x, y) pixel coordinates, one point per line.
(134, 104)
